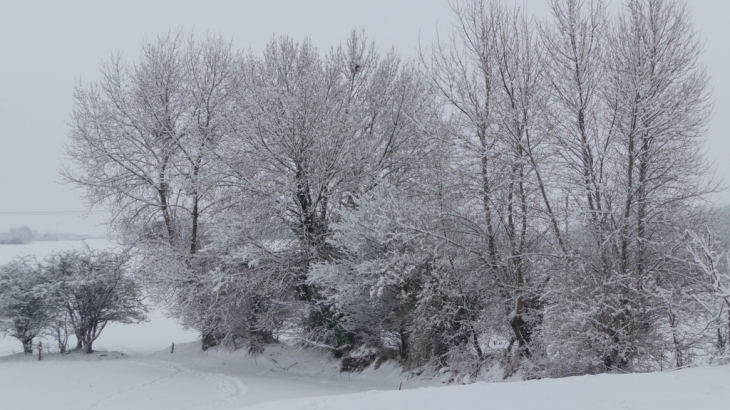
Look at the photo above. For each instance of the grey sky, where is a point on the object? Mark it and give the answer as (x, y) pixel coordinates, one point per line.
(47, 46)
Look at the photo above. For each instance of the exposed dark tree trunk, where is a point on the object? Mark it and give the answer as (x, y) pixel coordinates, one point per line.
(27, 345)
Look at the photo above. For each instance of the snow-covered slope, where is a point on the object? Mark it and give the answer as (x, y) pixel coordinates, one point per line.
(186, 379)
(697, 388)
(110, 381)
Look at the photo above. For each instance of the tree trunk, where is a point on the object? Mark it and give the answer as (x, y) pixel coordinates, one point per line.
(404, 343)
(27, 345)
(521, 329)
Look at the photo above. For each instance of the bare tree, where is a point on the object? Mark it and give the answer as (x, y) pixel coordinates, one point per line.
(25, 305)
(145, 142)
(94, 289)
(629, 113)
(490, 74)
(143, 139)
(713, 273)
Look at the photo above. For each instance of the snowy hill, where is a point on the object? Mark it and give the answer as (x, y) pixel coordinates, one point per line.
(699, 388)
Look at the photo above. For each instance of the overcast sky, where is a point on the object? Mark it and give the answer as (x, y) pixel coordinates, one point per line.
(48, 46)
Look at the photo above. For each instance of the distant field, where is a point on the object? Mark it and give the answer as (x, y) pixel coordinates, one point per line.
(42, 249)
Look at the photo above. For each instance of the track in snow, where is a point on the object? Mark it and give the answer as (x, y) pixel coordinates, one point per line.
(227, 388)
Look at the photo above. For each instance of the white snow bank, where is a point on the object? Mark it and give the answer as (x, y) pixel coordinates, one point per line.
(306, 379)
(697, 388)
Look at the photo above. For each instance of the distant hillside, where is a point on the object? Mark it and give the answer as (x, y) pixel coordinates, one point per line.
(23, 235)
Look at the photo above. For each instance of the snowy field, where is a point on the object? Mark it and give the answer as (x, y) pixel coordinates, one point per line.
(133, 369)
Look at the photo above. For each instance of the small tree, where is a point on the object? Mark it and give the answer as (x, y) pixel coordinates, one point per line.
(708, 260)
(95, 289)
(24, 306)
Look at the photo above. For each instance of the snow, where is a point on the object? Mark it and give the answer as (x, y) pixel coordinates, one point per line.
(42, 249)
(134, 369)
(695, 388)
(80, 381)
(292, 379)
(186, 379)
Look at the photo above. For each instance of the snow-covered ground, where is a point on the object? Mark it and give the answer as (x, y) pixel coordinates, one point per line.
(698, 388)
(186, 379)
(137, 372)
(192, 379)
(42, 249)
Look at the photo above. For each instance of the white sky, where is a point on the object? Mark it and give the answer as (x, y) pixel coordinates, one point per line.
(47, 46)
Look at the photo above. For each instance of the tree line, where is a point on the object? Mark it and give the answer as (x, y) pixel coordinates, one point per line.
(525, 191)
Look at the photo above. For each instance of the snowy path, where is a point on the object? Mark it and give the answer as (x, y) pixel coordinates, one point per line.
(187, 380)
(225, 389)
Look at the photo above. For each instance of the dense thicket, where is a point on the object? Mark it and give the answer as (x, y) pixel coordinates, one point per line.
(525, 192)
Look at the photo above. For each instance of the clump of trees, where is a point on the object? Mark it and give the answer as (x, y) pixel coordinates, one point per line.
(77, 291)
(18, 236)
(525, 192)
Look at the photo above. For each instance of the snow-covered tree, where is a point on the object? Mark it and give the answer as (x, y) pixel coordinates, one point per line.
(630, 111)
(712, 268)
(145, 141)
(490, 76)
(25, 301)
(94, 288)
(521, 195)
(315, 132)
